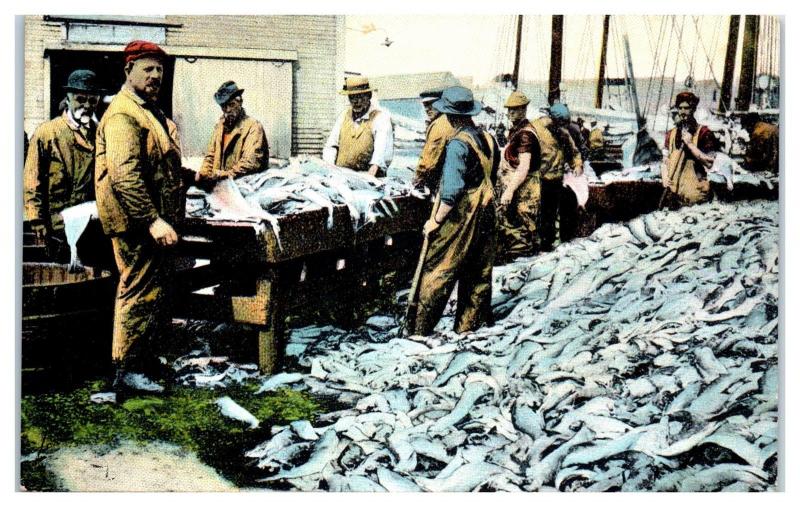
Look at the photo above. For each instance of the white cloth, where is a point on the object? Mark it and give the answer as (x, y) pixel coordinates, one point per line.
(382, 132)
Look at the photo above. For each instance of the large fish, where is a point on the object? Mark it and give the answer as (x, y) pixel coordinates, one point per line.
(230, 408)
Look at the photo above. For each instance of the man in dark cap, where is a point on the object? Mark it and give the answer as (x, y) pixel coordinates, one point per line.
(140, 200)
(59, 164)
(762, 149)
(437, 134)
(557, 150)
(238, 145)
(461, 231)
(691, 150)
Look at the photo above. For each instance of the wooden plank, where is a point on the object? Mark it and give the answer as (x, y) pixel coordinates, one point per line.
(302, 234)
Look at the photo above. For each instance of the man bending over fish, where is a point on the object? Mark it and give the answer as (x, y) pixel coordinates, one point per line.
(461, 230)
(238, 145)
(363, 137)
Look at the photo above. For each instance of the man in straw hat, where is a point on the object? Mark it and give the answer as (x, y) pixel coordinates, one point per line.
(691, 151)
(438, 132)
(460, 234)
(519, 187)
(140, 201)
(238, 144)
(59, 166)
(363, 137)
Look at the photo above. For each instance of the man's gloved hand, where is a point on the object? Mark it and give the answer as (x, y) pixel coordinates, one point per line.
(205, 183)
(39, 230)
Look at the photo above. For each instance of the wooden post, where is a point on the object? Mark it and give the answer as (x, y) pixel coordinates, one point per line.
(601, 77)
(730, 63)
(554, 91)
(747, 75)
(515, 75)
(264, 310)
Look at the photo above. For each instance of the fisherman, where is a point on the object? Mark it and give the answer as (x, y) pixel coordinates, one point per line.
(363, 137)
(59, 166)
(140, 201)
(762, 149)
(595, 142)
(461, 230)
(518, 186)
(437, 134)
(238, 145)
(556, 150)
(690, 153)
(579, 135)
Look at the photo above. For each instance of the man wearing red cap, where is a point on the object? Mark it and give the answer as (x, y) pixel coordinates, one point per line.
(140, 200)
(691, 149)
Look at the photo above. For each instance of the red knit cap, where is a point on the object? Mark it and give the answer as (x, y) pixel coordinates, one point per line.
(687, 96)
(141, 49)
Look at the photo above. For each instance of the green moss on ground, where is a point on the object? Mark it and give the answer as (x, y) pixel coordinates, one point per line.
(187, 417)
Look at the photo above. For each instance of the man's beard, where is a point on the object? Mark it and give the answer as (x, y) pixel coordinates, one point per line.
(689, 124)
(230, 121)
(82, 117)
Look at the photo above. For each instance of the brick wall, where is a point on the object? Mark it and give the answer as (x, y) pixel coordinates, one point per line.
(318, 40)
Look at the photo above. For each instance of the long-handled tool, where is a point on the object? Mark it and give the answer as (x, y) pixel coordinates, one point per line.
(413, 296)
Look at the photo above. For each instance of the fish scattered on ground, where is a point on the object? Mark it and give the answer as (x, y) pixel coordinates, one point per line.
(627, 360)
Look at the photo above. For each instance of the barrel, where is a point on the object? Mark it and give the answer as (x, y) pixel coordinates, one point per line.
(66, 320)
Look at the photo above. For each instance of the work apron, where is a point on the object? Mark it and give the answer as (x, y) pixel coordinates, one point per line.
(461, 250)
(517, 225)
(681, 176)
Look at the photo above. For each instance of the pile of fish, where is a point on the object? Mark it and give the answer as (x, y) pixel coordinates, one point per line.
(642, 358)
(305, 184)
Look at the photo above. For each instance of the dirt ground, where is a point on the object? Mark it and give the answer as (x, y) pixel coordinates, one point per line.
(154, 467)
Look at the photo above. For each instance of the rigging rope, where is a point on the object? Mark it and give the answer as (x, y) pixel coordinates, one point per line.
(663, 77)
(675, 69)
(708, 58)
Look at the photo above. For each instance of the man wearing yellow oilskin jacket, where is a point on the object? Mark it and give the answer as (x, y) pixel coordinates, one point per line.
(140, 201)
(437, 134)
(59, 166)
(238, 145)
(461, 230)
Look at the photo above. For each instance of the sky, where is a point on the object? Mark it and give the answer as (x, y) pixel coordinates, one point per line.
(482, 46)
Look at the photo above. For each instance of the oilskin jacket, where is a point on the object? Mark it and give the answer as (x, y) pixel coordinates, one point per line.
(556, 150)
(138, 168)
(438, 133)
(247, 150)
(58, 171)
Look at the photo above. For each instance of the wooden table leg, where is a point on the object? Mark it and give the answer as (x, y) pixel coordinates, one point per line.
(264, 310)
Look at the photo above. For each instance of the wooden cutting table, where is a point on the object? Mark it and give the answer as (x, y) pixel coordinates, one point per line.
(251, 279)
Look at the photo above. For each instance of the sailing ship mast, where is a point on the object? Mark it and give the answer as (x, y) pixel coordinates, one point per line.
(730, 62)
(601, 77)
(515, 75)
(554, 88)
(747, 74)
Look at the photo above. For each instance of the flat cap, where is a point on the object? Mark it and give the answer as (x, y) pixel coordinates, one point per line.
(143, 49)
(517, 99)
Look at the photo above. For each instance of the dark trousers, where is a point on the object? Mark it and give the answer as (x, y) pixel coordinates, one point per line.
(558, 203)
